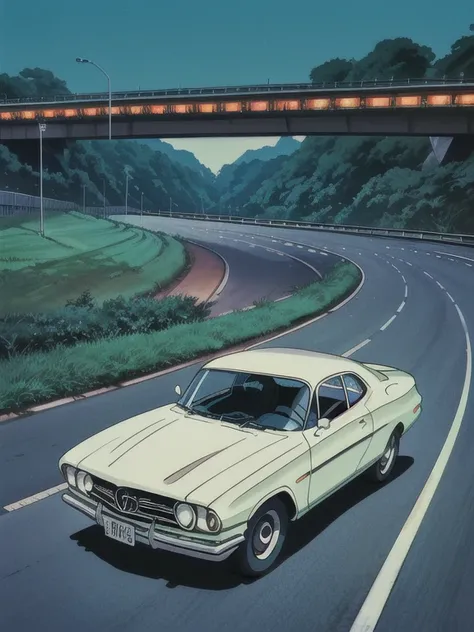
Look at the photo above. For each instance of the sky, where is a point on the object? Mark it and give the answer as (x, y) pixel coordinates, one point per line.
(166, 44)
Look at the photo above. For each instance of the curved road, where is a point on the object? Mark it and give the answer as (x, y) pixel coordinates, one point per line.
(58, 571)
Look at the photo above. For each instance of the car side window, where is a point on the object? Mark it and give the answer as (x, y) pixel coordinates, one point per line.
(355, 388)
(332, 398)
(312, 421)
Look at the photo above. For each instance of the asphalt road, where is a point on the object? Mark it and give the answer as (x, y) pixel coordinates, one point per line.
(57, 570)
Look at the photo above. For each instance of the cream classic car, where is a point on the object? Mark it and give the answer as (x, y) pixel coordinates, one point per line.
(257, 439)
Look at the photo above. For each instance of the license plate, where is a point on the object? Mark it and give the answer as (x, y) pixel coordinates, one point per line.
(119, 531)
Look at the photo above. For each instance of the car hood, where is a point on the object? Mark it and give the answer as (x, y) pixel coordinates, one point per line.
(168, 453)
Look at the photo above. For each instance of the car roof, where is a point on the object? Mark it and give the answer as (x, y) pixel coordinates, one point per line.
(311, 366)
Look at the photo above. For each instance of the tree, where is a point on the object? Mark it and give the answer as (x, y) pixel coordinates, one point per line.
(400, 58)
(460, 59)
(331, 71)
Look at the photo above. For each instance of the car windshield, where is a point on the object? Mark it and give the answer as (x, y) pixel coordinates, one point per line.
(248, 399)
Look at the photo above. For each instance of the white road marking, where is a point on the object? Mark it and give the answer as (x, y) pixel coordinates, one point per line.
(406, 291)
(274, 241)
(323, 253)
(402, 305)
(408, 263)
(428, 253)
(439, 285)
(387, 247)
(468, 264)
(438, 256)
(389, 322)
(428, 275)
(343, 248)
(453, 255)
(287, 243)
(376, 254)
(347, 354)
(404, 280)
(450, 297)
(452, 260)
(36, 497)
(298, 246)
(379, 594)
(311, 250)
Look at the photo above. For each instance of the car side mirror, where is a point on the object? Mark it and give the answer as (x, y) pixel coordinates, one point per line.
(324, 423)
(177, 389)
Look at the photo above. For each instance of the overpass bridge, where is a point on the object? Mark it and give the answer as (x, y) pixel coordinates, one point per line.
(415, 107)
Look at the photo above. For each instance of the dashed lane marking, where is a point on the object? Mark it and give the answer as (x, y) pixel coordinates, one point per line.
(388, 323)
(347, 354)
(427, 274)
(36, 497)
(402, 305)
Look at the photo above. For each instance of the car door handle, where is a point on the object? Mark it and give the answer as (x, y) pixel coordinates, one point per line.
(363, 422)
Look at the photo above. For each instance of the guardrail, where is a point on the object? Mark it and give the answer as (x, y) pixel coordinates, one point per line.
(245, 90)
(448, 238)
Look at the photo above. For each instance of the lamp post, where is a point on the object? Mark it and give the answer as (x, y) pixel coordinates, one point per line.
(103, 194)
(83, 198)
(141, 209)
(42, 129)
(81, 60)
(126, 193)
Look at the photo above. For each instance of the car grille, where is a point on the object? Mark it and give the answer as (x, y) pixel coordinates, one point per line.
(150, 506)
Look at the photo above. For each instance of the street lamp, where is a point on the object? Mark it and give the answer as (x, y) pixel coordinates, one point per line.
(103, 194)
(141, 209)
(81, 60)
(172, 204)
(42, 129)
(126, 192)
(83, 198)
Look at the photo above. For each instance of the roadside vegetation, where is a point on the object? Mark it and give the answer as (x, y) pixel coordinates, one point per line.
(32, 378)
(79, 254)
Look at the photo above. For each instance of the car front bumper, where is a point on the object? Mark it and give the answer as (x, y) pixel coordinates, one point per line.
(212, 551)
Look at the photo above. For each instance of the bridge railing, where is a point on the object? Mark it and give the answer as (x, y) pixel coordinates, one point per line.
(246, 90)
(426, 235)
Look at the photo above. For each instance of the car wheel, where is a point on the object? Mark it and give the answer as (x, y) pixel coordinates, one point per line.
(382, 469)
(264, 538)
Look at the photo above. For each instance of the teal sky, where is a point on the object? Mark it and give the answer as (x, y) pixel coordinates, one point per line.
(168, 43)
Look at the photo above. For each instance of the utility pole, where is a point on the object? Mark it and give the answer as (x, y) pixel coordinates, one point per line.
(171, 202)
(141, 209)
(84, 199)
(42, 129)
(103, 194)
(126, 194)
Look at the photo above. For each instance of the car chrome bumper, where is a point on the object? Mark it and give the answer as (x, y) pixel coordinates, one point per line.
(156, 539)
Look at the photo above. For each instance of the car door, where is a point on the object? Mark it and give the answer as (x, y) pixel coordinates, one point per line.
(337, 451)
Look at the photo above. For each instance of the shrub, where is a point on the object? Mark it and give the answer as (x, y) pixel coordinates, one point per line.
(81, 320)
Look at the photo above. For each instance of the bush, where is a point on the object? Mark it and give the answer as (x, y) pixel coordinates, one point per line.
(83, 321)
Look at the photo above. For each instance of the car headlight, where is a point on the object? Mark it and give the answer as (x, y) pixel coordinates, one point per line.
(84, 482)
(185, 515)
(70, 475)
(208, 520)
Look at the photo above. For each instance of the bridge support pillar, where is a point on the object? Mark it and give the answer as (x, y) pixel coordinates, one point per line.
(450, 149)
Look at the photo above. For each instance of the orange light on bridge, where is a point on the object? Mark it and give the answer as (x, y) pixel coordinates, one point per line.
(6, 116)
(232, 107)
(465, 99)
(439, 99)
(50, 113)
(91, 111)
(207, 108)
(259, 106)
(136, 109)
(180, 108)
(29, 114)
(410, 102)
(287, 105)
(348, 102)
(377, 102)
(70, 113)
(157, 109)
(318, 104)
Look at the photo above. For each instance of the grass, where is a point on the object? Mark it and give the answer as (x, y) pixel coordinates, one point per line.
(80, 253)
(64, 371)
